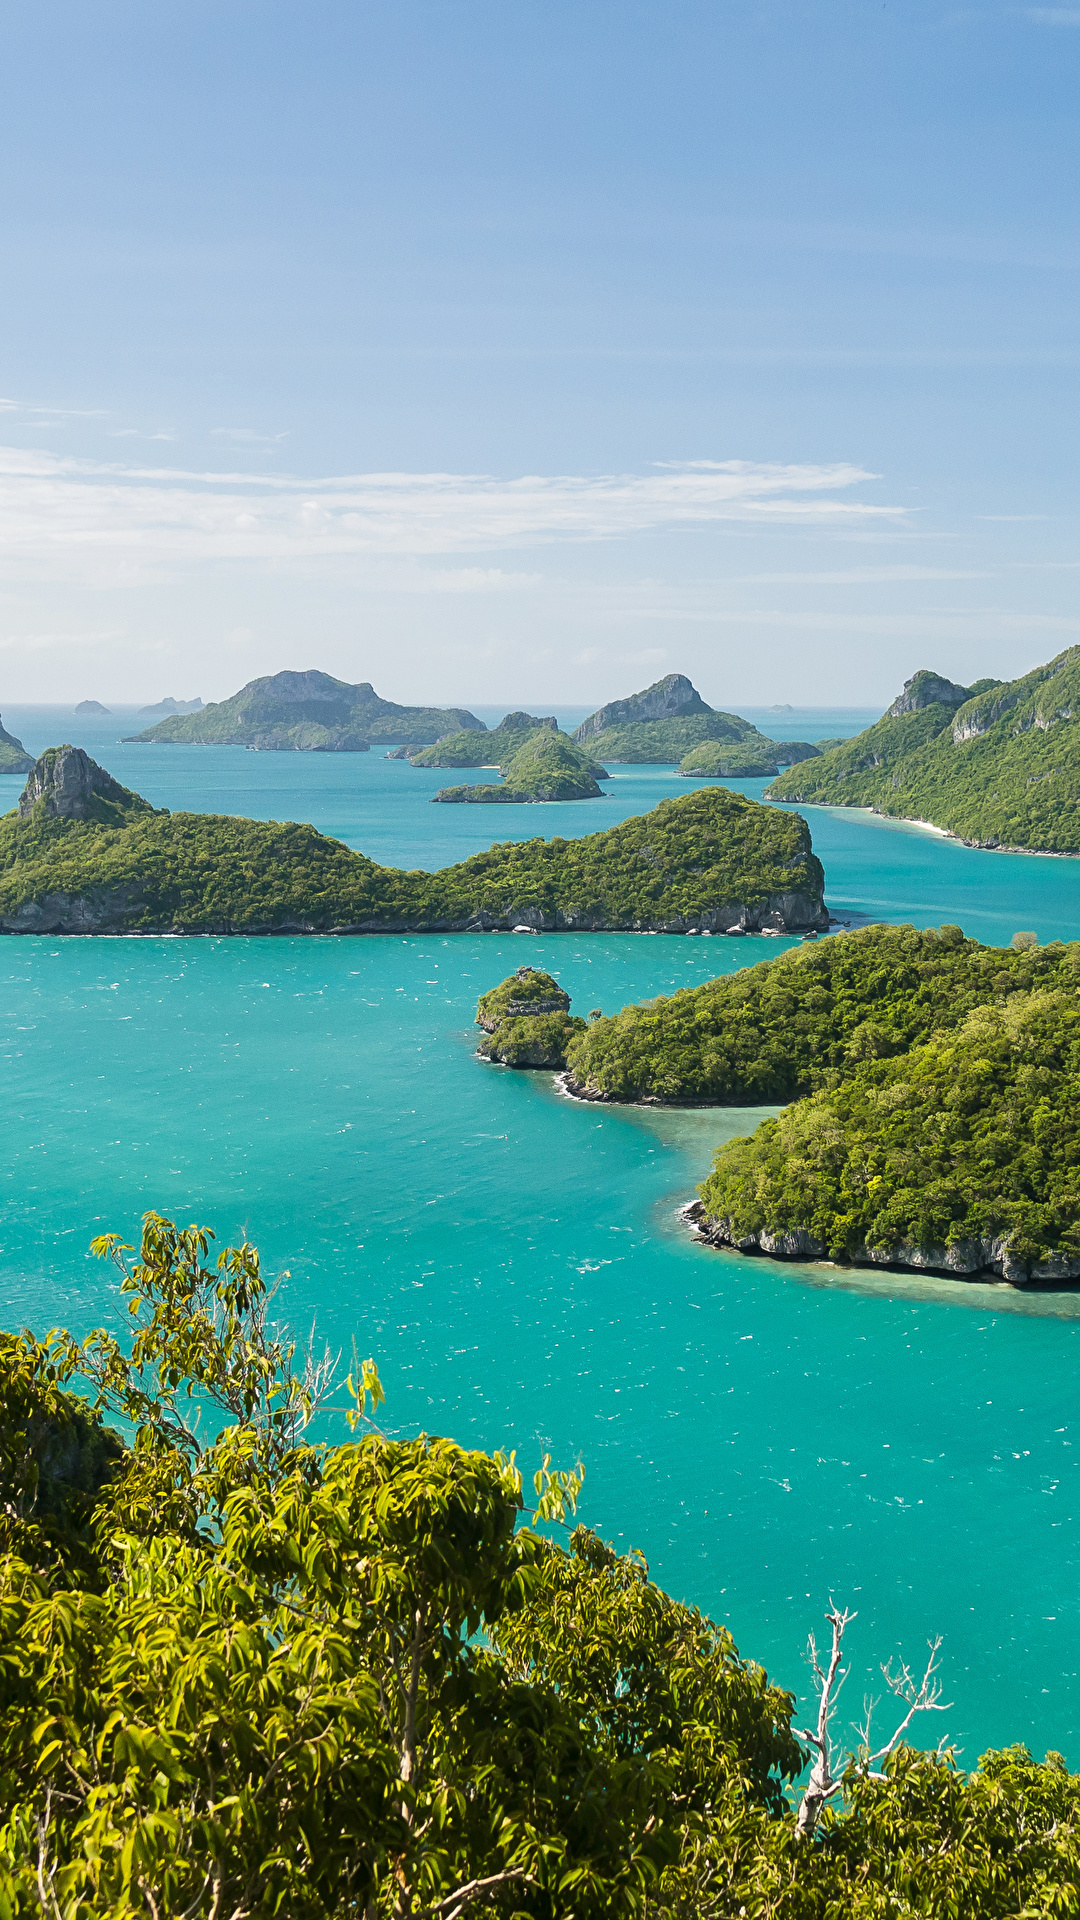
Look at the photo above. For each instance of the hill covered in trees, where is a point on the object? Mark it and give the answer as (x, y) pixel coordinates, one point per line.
(244, 1673)
(997, 764)
(308, 713)
(662, 723)
(84, 855)
(544, 766)
(935, 1081)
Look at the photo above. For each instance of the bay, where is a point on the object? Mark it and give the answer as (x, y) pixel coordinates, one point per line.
(770, 1436)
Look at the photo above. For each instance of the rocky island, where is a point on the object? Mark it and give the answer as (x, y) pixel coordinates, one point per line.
(82, 854)
(307, 713)
(660, 725)
(997, 764)
(935, 1084)
(527, 1021)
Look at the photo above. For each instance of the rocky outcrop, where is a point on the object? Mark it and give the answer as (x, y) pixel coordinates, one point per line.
(66, 784)
(926, 689)
(666, 699)
(985, 1258)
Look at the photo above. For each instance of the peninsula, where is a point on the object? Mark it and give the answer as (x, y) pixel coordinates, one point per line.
(13, 755)
(307, 713)
(996, 764)
(935, 1085)
(82, 854)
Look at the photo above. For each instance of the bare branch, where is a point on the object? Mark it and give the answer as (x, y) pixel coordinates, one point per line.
(922, 1698)
(455, 1903)
(822, 1784)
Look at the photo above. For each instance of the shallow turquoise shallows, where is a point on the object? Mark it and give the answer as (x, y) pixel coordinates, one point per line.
(770, 1436)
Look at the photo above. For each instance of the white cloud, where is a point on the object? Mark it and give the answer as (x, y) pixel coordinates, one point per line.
(1055, 16)
(76, 514)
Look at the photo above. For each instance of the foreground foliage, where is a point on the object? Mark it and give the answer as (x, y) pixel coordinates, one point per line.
(246, 1675)
(998, 766)
(149, 871)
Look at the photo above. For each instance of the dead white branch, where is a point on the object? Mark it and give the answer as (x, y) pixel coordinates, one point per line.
(918, 1696)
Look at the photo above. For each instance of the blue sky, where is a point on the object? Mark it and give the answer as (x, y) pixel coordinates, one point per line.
(528, 350)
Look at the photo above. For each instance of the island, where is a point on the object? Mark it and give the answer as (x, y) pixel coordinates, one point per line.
(934, 1090)
(482, 747)
(307, 713)
(93, 706)
(527, 1021)
(660, 725)
(13, 755)
(546, 766)
(744, 759)
(82, 855)
(160, 709)
(996, 764)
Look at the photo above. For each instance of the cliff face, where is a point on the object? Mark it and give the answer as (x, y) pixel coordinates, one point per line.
(666, 699)
(984, 1258)
(65, 784)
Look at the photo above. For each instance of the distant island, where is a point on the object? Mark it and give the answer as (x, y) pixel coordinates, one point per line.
(13, 755)
(934, 1090)
(82, 854)
(307, 713)
(546, 766)
(669, 722)
(94, 706)
(161, 708)
(536, 759)
(997, 764)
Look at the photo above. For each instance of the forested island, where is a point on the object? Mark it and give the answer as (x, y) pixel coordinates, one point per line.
(997, 763)
(246, 1674)
(664, 722)
(935, 1085)
(82, 854)
(545, 766)
(306, 713)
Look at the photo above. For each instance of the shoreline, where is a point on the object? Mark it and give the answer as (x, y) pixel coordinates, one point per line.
(928, 826)
(800, 1248)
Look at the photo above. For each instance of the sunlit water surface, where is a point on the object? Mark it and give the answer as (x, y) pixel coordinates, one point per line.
(770, 1436)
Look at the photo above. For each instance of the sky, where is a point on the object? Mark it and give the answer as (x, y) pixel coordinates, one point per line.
(528, 351)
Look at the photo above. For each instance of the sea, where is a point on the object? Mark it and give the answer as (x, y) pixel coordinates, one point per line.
(772, 1437)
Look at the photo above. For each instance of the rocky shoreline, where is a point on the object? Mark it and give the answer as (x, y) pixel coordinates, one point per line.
(987, 1258)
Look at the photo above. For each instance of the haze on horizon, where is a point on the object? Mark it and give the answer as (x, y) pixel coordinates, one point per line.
(529, 353)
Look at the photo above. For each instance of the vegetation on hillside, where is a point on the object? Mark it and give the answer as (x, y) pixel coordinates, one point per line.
(527, 1021)
(921, 1127)
(13, 755)
(693, 860)
(257, 1676)
(308, 712)
(662, 723)
(546, 766)
(746, 760)
(969, 1139)
(495, 747)
(1001, 767)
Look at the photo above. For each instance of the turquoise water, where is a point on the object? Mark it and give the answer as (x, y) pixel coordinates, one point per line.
(769, 1436)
